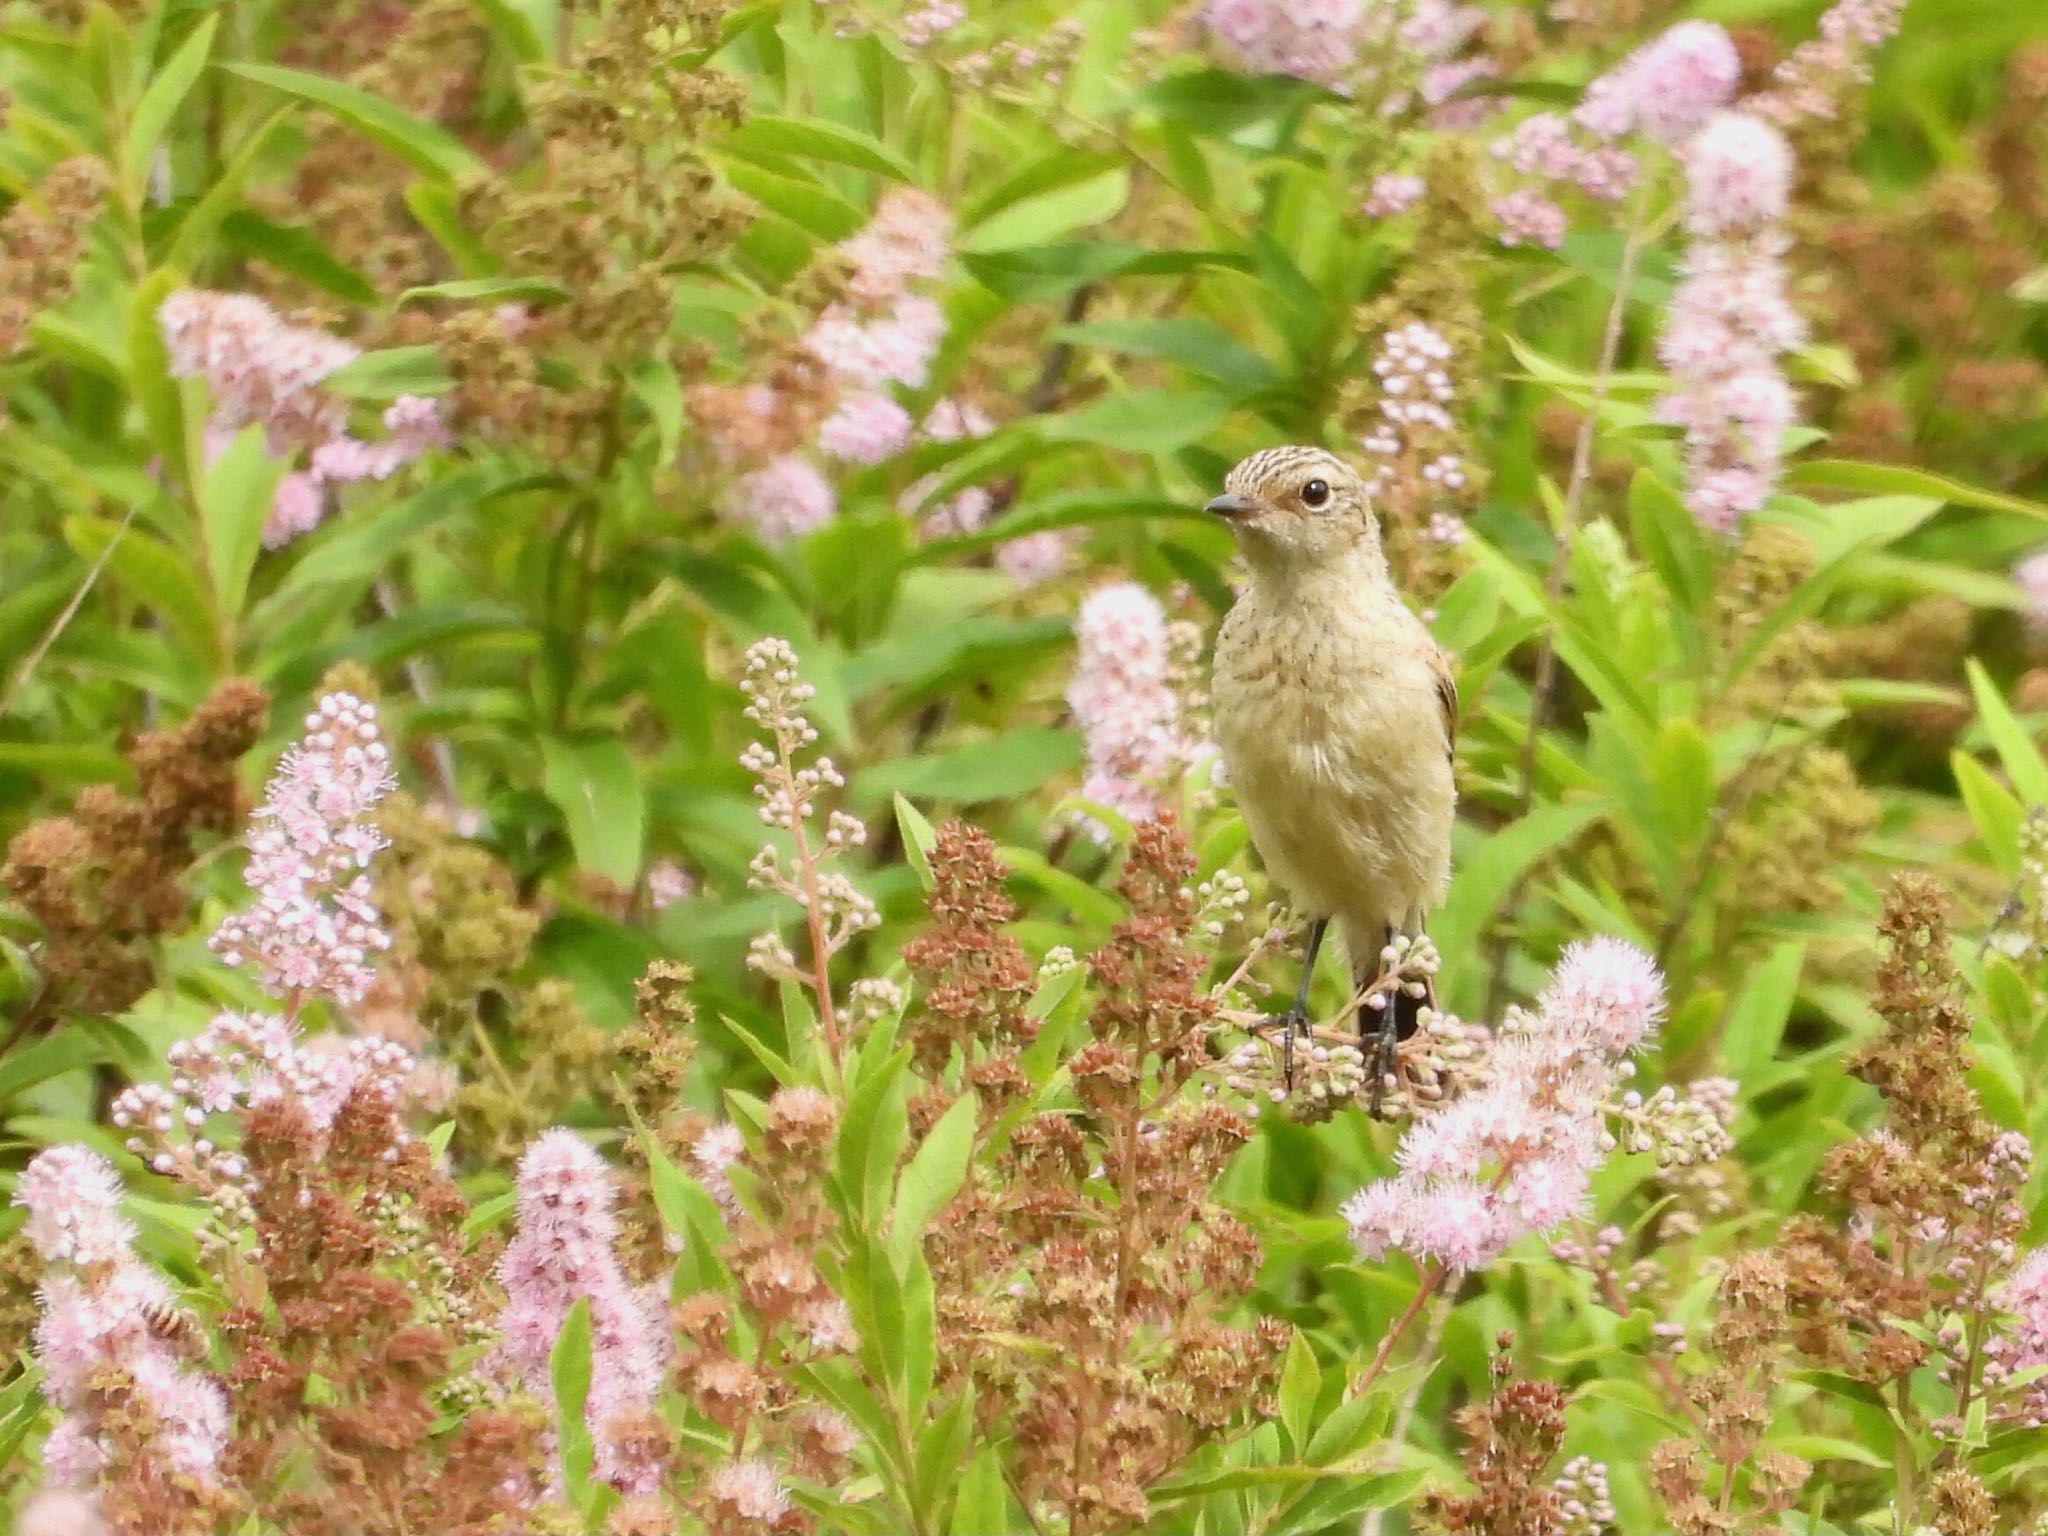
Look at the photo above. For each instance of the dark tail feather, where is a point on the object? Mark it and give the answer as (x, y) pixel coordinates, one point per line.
(1406, 1008)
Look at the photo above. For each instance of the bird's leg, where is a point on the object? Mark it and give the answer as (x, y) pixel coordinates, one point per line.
(1296, 1015)
(1382, 1032)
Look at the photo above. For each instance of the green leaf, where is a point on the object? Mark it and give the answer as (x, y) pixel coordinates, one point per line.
(918, 839)
(487, 290)
(870, 1138)
(390, 372)
(596, 786)
(1049, 215)
(569, 1370)
(1144, 421)
(67, 1050)
(1482, 878)
(1827, 1448)
(155, 575)
(1301, 1380)
(1749, 1040)
(234, 501)
(1995, 812)
(983, 1508)
(149, 377)
(813, 138)
(2015, 744)
(1195, 344)
(419, 143)
(1011, 764)
(1898, 480)
(298, 252)
(932, 1178)
(165, 95)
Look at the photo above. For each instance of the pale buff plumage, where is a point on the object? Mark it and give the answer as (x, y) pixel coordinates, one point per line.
(1335, 710)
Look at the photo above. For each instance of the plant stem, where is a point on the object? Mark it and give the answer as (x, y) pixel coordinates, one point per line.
(1544, 686)
(814, 910)
(1432, 1279)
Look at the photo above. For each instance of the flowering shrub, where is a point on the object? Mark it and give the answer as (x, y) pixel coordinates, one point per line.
(619, 914)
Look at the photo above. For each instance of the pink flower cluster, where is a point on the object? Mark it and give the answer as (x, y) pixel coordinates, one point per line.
(1810, 82)
(2023, 1345)
(1547, 149)
(265, 372)
(1323, 40)
(1415, 424)
(2031, 575)
(1122, 699)
(97, 1303)
(1730, 321)
(314, 926)
(565, 1251)
(1516, 1155)
(1318, 40)
(882, 335)
(1393, 195)
(241, 1061)
(1666, 89)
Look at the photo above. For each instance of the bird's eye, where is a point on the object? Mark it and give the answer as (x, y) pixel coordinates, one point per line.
(1315, 493)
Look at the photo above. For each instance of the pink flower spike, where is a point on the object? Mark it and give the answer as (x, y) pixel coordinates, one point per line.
(1609, 989)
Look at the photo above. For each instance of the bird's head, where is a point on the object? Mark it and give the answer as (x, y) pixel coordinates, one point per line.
(1294, 509)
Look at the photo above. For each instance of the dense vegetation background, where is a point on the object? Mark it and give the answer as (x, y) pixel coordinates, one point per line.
(545, 401)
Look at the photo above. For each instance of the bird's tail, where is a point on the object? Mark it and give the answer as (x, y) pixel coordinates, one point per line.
(1405, 1007)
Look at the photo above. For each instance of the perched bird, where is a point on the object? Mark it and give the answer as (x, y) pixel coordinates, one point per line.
(1336, 714)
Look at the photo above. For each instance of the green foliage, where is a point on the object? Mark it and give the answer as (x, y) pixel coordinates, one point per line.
(1718, 748)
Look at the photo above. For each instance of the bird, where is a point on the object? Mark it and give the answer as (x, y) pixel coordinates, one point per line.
(1336, 714)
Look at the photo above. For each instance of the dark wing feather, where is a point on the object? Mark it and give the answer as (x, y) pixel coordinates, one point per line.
(1447, 697)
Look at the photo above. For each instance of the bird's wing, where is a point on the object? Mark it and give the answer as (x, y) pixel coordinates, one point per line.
(1447, 697)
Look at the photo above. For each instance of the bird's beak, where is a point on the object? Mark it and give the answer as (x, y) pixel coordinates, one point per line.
(1232, 506)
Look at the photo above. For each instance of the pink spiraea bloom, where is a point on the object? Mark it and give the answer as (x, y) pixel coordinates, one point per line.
(2023, 1344)
(1316, 40)
(1393, 195)
(1730, 322)
(1527, 217)
(261, 369)
(712, 1154)
(748, 1494)
(1608, 988)
(2031, 574)
(784, 499)
(668, 883)
(265, 372)
(1516, 1155)
(73, 1199)
(951, 421)
(241, 1061)
(1416, 392)
(1122, 699)
(96, 1306)
(895, 347)
(1807, 83)
(909, 239)
(314, 926)
(1666, 89)
(1738, 176)
(865, 428)
(1035, 557)
(565, 1251)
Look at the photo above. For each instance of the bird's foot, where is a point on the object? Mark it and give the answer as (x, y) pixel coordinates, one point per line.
(1289, 1024)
